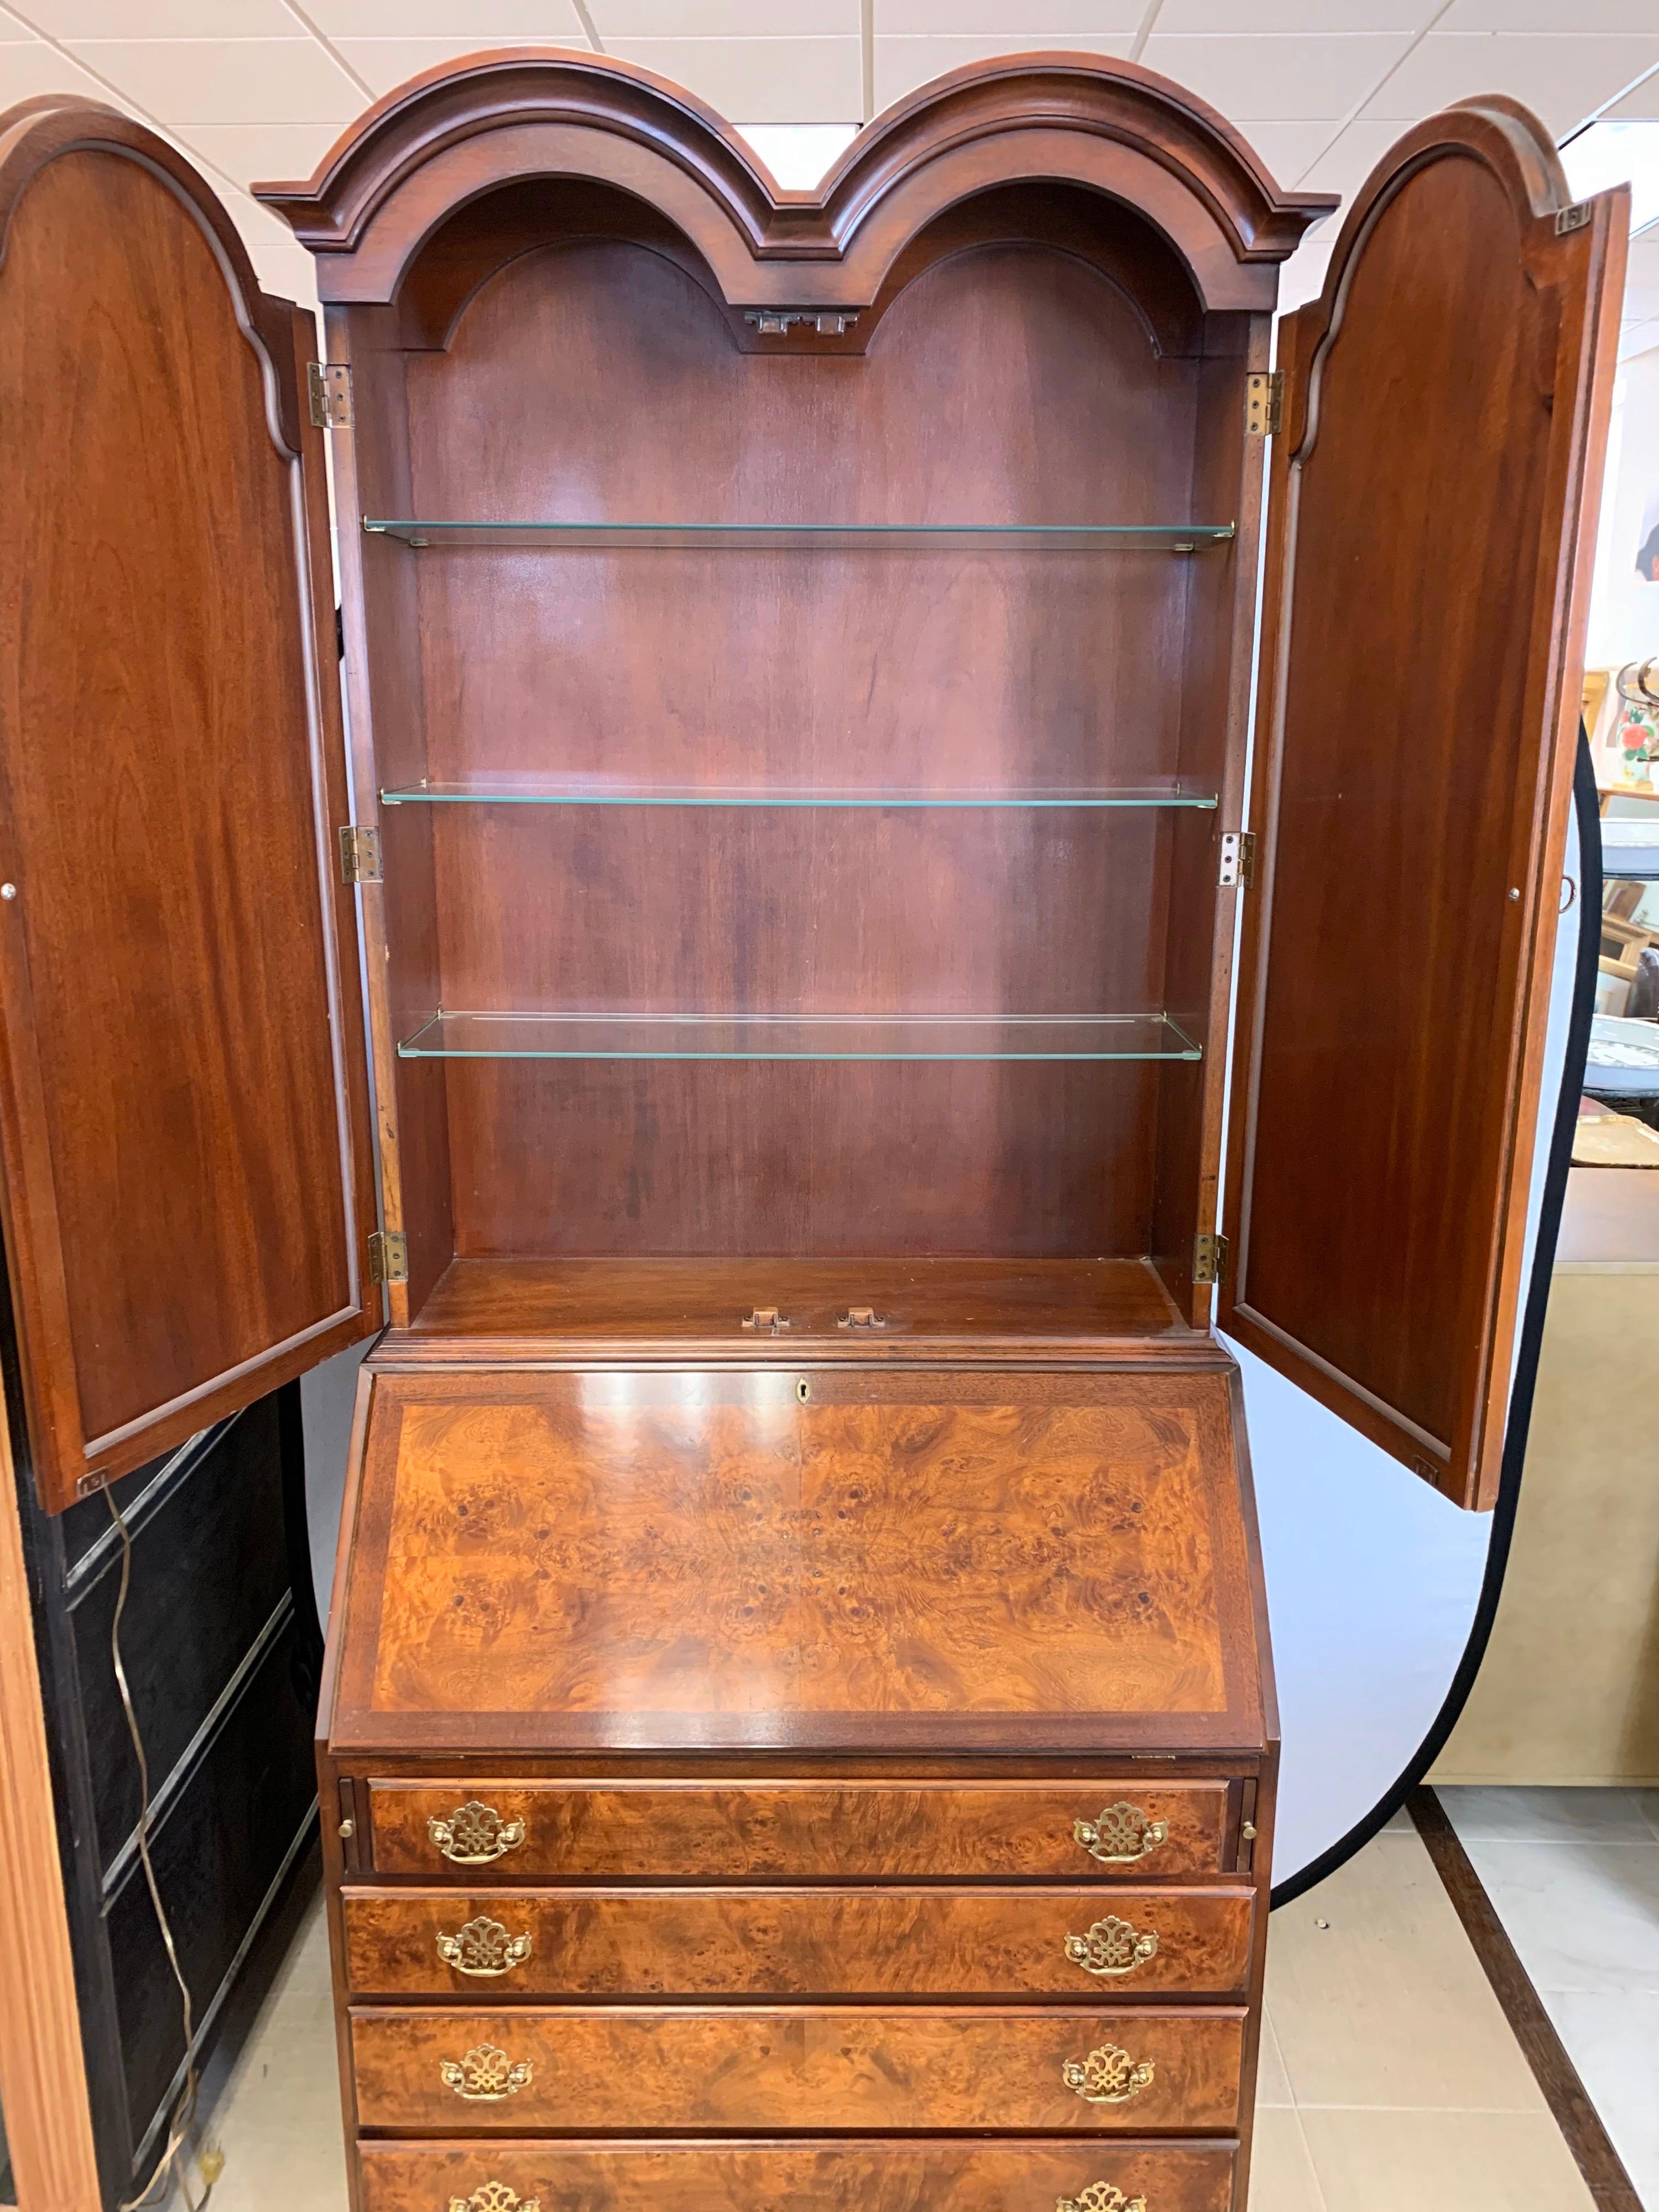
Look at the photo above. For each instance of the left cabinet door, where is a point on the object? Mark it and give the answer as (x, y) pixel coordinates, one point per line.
(186, 1162)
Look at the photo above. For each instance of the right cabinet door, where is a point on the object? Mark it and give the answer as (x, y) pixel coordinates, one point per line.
(1432, 524)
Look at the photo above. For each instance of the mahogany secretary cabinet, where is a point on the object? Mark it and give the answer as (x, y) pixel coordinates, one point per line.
(798, 1724)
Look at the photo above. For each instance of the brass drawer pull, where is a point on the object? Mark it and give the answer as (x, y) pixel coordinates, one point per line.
(1111, 1946)
(1107, 2077)
(484, 1946)
(1120, 1835)
(496, 2196)
(485, 2075)
(474, 1834)
(1099, 2196)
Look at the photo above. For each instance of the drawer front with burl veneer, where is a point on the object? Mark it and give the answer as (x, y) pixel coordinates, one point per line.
(665, 2069)
(836, 1831)
(1007, 1943)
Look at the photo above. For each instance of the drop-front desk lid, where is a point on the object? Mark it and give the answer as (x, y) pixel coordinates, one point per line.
(801, 1561)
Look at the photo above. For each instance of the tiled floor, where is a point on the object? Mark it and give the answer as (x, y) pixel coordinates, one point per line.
(1389, 2074)
(1574, 1876)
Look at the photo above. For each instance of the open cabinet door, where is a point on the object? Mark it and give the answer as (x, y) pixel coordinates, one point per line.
(1432, 526)
(186, 1173)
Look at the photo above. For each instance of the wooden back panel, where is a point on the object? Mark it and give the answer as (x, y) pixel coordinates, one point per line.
(186, 1183)
(1005, 382)
(1446, 401)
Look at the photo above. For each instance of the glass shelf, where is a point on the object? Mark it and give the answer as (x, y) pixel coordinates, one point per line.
(599, 791)
(834, 536)
(798, 1037)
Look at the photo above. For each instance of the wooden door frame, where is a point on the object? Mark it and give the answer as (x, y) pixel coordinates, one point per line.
(43, 2074)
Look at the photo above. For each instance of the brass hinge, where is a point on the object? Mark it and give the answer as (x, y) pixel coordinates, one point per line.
(1237, 861)
(388, 1256)
(1264, 402)
(1209, 1259)
(328, 385)
(360, 854)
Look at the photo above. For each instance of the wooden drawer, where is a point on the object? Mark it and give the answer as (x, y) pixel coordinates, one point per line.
(667, 2070)
(692, 1831)
(1007, 1943)
(941, 2176)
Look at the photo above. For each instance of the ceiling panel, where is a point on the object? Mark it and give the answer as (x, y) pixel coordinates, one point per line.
(485, 24)
(1564, 77)
(1351, 157)
(161, 18)
(1642, 102)
(1280, 78)
(1568, 16)
(28, 67)
(764, 80)
(261, 152)
(1289, 148)
(731, 19)
(799, 155)
(1304, 15)
(903, 64)
(226, 80)
(1038, 20)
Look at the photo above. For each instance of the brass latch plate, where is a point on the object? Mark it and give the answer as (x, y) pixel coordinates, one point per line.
(1264, 402)
(328, 389)
(1210, 1260)
(388, 1256)
(360, 854)
(766, 1320)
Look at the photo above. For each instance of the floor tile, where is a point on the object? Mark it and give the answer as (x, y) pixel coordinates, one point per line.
(1282, 2178)
(1273, 2084)
(1613, 2041)
(1606, 1816)
(1378, 1999)
(1472, 2161)
(1581, 1916)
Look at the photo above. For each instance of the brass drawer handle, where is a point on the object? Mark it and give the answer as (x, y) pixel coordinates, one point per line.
(496, 2196)
(1099, 2196)
(485, 2075)
(1107, 2077)
(484, 1946)
(1111, 1946)
(474, 1834)
(1120, 1835)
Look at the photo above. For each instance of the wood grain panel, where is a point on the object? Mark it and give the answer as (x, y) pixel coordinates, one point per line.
(1008, 382)
(661, 2069)
(1419, 705)
(818, 1942)
(710, 1830)
(840, 2176)
(899, 1561)
(187, 1183)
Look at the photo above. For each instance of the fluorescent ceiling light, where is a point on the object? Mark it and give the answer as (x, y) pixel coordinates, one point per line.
(1617, 153)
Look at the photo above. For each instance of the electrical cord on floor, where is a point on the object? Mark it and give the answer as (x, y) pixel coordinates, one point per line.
(175, 2158)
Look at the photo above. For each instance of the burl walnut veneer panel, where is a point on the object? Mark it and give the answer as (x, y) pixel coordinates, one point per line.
(716, 1830)
(815, 1942)
(940, 2176)
(663, 2069)
(888, 1561)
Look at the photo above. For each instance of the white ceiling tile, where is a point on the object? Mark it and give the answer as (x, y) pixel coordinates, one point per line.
(484, 23)
(1278, 76)
(724, 19)
(1350, 159)
(29, 67)
(1326, 15)
(768, 80)
(1289, 148)
(799, 153)
(161, 18)
(384, 63)
(903, 64)
(1006, 19)
(1643, 101)
(226, 80)
(1563, 78)
(260, 151)
(1573, 17)
(13, 33)
(1637, 338)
